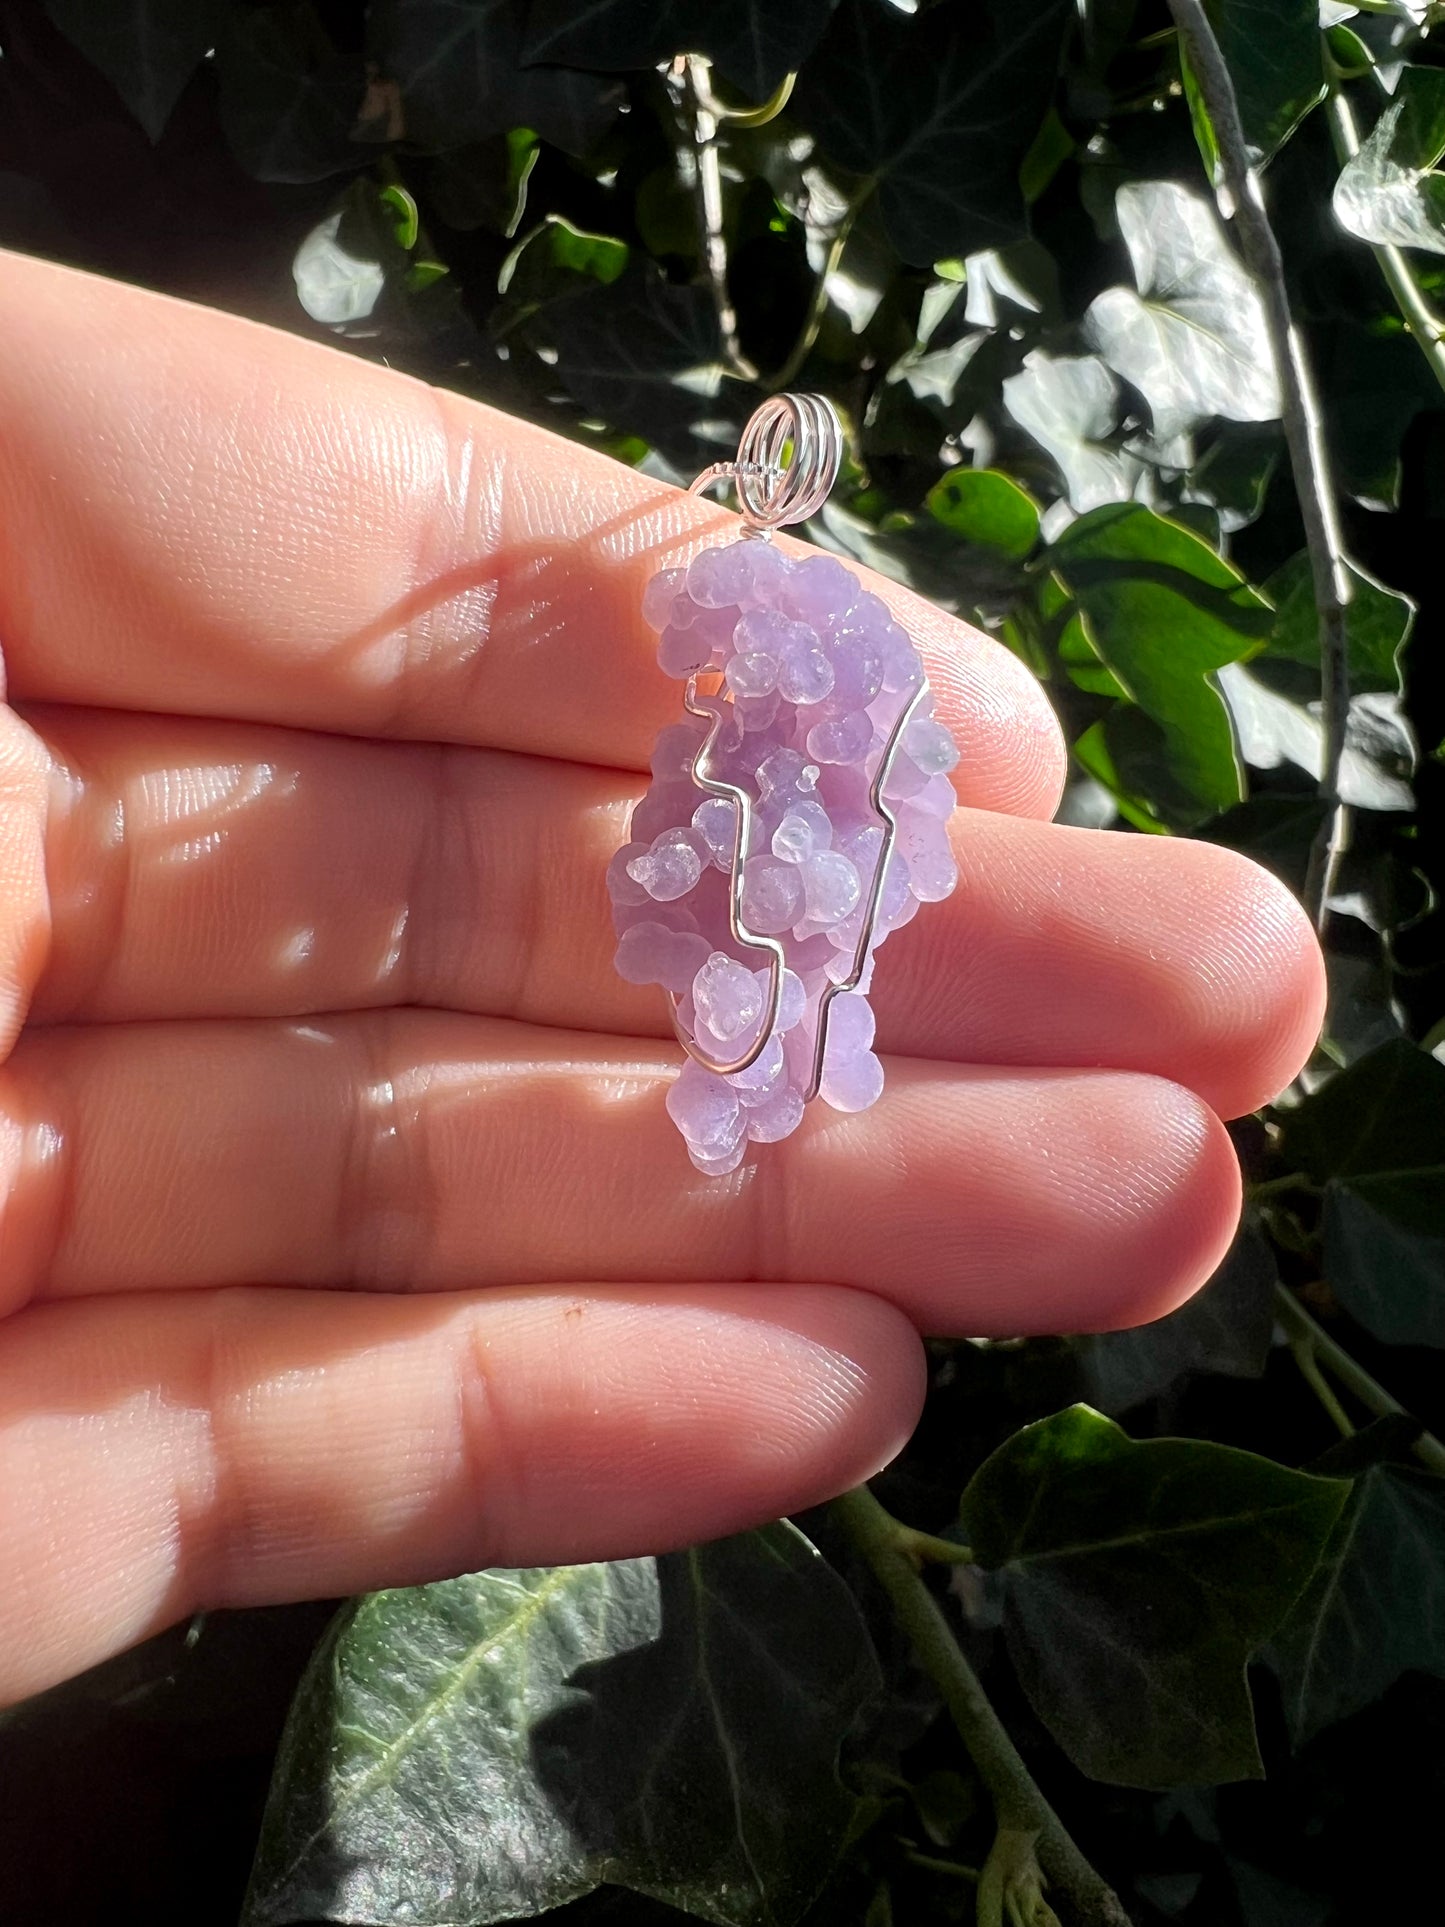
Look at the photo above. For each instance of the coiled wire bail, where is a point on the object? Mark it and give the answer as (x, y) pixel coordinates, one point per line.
(770, 494)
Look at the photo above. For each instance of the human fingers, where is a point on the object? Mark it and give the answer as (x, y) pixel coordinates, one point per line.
(420, 1150)
(161, 1453)
(202, 515)
(213, 869)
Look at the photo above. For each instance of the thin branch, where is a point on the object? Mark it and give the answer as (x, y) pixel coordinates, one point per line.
(818, 304)
(1301, 1327)
(1303, 1352)
(1020, 1809)
(704, 115)
(1303, 435)
(1416, 312)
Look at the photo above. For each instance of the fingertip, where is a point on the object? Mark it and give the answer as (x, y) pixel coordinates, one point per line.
(1274, 979)
(1180, 1204)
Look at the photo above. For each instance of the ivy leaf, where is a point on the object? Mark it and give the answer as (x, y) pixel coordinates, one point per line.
(497, 1745)
(1138, 1579)
(645, 354)
(287, 113)
(1164, 613)
(1276, 711)
(1378, 623)
(939, 111)
(1375, 1607)
(1070, 405)
(1273, 51)
(147, 49)
(985, 507)
(1374, 1136)
(1389, 193)
(458, 64)
(1193, 339)
(753, 43)
(1224, 1328)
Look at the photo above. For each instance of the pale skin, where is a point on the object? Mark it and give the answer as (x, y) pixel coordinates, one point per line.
(344, 1241)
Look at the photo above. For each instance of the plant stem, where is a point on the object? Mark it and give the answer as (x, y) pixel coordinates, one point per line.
(1274, 1187)
(931, 1863)
(1419, 317)
(818, 305)
(1303, 434)
(704, 117)
(1303, 1352)
(1019, 1806)
(1302, 1328)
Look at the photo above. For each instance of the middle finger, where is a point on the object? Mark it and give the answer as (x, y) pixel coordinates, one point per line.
(221, 870)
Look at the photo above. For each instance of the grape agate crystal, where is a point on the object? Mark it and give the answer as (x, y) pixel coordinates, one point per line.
(805, 680)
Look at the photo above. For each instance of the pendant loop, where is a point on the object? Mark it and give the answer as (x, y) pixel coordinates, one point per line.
(770, 494)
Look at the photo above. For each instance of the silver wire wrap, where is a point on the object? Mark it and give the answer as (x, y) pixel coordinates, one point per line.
(771, 496)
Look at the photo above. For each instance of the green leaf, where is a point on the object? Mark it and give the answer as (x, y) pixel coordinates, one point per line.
(1165, 612)
(643, 355)
(1225, 1328)
(458, 64)
(1386, 1113)
(1138, 1579)
(1070, 405)
(1375, 1607)
(1193, 339)
(1272, 49)
(287, 112)
(497, 1745)
(1378, 624)
(984, 506)
(484, 185)
(939, 110)
(1374, 1136)
(753, 43)
(147, 49)
(557, 259)
(1389, 193)
(1276, 709)
(1384, 1252)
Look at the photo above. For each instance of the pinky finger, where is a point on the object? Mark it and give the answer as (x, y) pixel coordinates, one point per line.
(165, 1452)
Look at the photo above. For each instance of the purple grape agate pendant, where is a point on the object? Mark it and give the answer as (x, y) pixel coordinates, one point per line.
(796, 816)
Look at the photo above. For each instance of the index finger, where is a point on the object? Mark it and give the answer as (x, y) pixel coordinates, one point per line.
(201, 515)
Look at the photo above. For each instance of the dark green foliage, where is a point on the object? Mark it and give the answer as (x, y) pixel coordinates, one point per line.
(1138, 1579)
(985, 229)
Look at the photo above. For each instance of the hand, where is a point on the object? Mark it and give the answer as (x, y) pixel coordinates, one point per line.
(344, 1240)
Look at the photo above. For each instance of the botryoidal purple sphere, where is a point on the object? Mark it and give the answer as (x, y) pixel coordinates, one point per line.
(814, 676)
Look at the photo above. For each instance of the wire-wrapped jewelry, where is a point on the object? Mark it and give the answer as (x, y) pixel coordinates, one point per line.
(796, 817)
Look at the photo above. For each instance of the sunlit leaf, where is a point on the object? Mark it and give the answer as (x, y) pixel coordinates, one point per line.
(1070, 405)
(1277, 716)
(497, 1745)
(1390, 193)
(1165, 613)
(1193, 339)
(981, 505)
